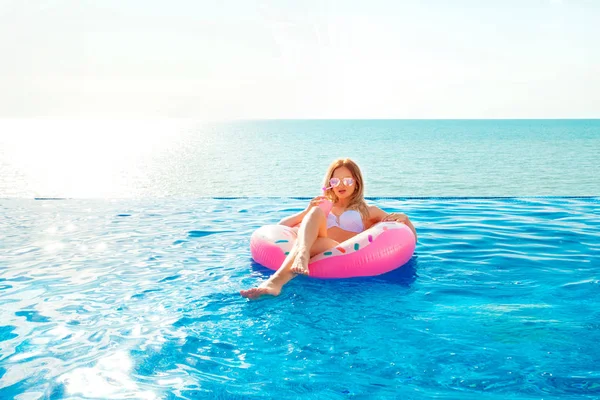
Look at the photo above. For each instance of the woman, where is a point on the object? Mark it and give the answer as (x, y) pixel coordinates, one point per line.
(317, 232)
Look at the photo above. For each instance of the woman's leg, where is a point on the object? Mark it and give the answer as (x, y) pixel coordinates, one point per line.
(312, 239)
(314, 228)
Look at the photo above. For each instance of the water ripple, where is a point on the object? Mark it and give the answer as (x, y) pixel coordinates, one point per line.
(138, 299)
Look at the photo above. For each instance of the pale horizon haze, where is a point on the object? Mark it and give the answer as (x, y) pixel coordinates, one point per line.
(300, 59)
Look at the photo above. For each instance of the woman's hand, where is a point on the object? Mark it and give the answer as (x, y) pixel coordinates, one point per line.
(402, 218)
(315, 202)
(376, 215)
(398, 217)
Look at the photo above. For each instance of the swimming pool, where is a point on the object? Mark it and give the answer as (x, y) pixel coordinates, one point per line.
(139, 299)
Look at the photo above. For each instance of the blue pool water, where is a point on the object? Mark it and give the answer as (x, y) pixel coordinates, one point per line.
(139, 299)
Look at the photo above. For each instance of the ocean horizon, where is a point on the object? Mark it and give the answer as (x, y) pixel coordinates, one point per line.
(46, 158)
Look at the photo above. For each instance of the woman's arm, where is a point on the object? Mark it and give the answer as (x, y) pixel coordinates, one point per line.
(376, 215)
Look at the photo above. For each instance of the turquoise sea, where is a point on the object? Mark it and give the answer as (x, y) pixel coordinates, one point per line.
(124, 246)
(150, 159)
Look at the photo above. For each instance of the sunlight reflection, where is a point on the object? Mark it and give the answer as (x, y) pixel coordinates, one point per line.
(70, 158)
(109, 378)
(53, 247)
(171, 382)
(101, 246)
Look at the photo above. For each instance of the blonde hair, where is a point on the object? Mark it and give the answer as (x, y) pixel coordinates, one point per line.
(357, 201)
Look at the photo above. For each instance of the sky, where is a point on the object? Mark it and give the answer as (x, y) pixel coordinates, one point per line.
(239, 59)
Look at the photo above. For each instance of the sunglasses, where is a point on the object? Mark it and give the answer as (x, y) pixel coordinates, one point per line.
(335, 182)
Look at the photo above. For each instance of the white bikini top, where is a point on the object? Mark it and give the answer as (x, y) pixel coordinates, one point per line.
(349, 221)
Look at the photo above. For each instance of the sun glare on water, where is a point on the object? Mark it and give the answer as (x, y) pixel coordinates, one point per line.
(85, 159)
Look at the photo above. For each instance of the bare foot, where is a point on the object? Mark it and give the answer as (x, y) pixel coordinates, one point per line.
(269, 287)
(300, 265)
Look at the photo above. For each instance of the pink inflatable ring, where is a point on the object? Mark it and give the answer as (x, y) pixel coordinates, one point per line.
(380, 249)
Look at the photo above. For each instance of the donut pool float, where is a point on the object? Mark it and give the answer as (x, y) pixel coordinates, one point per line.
(382, 248)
